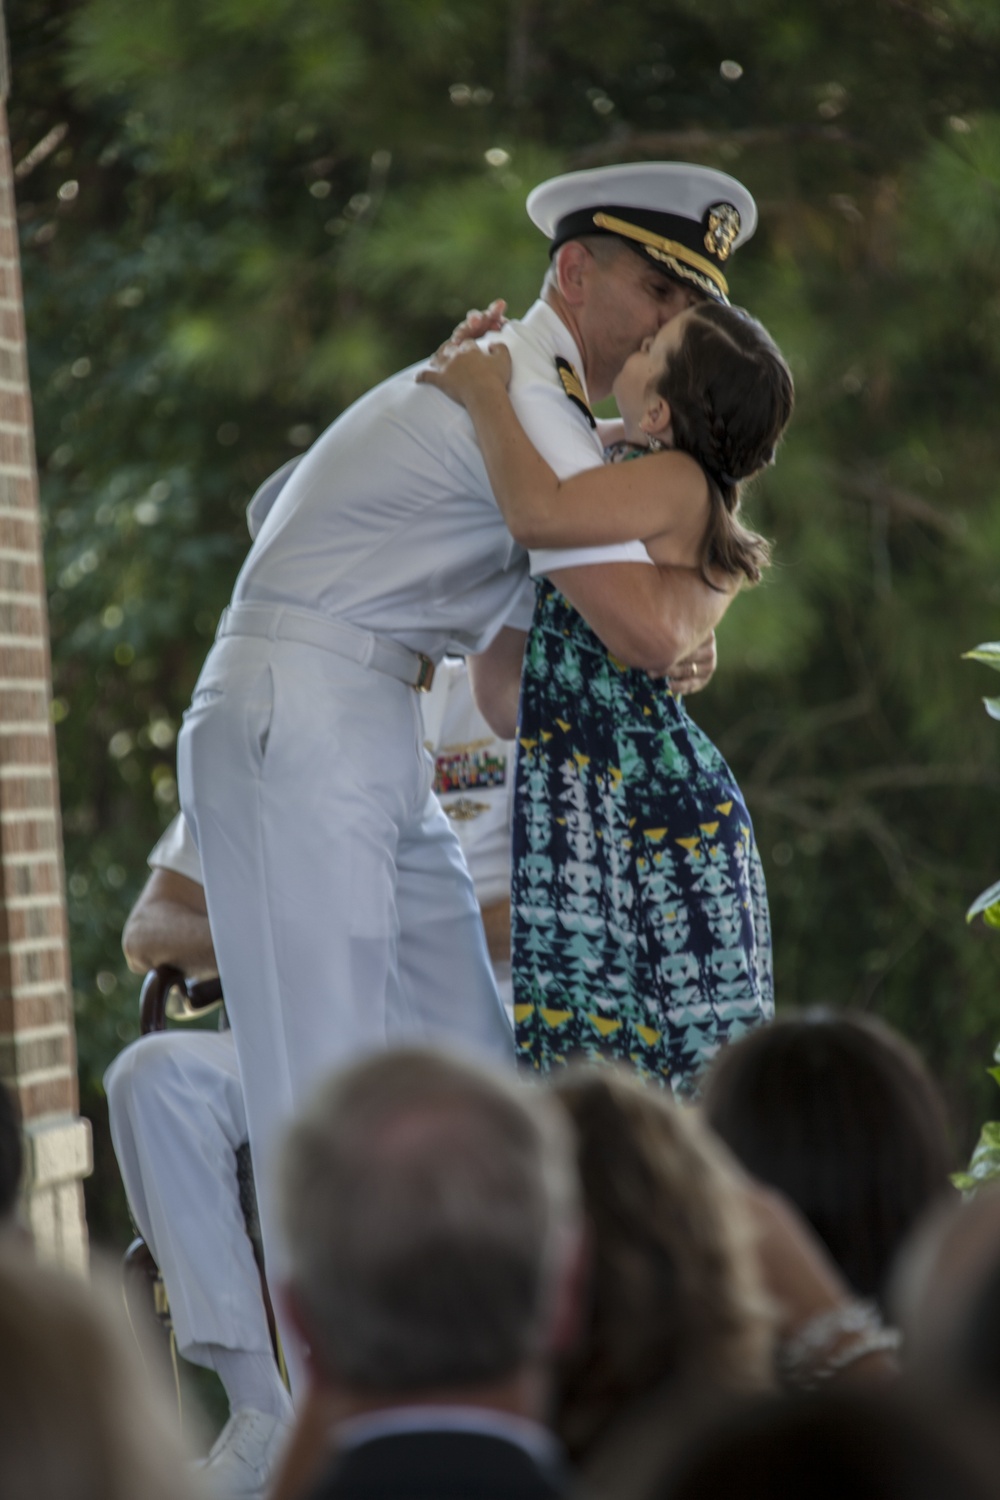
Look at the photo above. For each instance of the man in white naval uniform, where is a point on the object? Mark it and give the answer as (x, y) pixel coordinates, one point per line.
(175, 1100)
(342, 913)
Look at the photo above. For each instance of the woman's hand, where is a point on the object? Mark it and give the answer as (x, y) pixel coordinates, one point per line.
(695, 671)
(476, 324)
(464, 371)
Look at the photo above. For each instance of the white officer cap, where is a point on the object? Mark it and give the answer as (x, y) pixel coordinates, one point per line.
(687, 219)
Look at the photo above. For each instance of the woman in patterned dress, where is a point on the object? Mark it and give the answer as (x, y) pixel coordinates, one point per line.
(640, 928)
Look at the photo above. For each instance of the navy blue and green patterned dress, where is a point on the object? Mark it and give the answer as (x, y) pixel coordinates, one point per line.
(640, 927)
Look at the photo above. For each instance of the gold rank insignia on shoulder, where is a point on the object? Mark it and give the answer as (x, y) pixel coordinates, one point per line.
(573, 386)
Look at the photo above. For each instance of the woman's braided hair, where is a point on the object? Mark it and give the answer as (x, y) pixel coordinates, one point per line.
(730, 395)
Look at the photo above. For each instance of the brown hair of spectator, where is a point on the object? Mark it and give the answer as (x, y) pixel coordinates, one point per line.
(978, 1343)
(76, 1419)
(838, 1112)
(844, 1445)
(675, 1297)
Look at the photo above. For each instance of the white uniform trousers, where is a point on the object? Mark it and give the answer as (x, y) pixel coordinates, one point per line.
(177, 1119)
(343, 916)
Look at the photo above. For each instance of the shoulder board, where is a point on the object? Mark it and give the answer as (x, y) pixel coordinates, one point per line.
(573, 386)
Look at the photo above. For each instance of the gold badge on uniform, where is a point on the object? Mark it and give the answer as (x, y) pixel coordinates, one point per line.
(463, 809)
(723, 229)
(573, 386)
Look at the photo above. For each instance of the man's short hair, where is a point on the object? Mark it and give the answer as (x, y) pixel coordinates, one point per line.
(607, 248)
(428, 1206)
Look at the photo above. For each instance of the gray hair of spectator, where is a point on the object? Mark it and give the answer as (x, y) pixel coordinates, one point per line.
(429, 1206)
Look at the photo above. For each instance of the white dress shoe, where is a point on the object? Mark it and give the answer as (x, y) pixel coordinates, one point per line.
(243, 1458)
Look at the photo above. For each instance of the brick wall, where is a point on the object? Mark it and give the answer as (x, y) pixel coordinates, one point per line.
(37, 1041)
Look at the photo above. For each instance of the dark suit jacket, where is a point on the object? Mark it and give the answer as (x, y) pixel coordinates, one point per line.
(440, 1466)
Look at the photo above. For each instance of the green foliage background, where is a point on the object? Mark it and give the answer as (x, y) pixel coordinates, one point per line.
(257, 208)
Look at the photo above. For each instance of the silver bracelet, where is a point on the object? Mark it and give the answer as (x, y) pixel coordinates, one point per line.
(823, 1331)
(878, 1341)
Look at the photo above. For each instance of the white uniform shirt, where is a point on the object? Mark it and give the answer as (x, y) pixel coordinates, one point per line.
(389, 521)
(176, 850)
(264, 497)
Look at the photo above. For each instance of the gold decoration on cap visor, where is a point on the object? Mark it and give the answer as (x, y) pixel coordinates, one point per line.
(723, 229)
(669, 252)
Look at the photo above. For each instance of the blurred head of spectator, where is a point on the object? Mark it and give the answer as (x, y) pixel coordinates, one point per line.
(11, 1155)
(978, 1340)
(77, 1419)
(431, 1216)
(846, 1444)
(945, 1294)
(837, 1112)
(676, 1311)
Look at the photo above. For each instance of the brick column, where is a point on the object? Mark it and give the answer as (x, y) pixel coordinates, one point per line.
(37, 1040)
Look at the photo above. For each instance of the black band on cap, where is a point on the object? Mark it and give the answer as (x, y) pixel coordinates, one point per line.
(683, 249)
(671, 226)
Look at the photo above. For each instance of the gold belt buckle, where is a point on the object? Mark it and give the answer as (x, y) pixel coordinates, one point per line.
(425, 677)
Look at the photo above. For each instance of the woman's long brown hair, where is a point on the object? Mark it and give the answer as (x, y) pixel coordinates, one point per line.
(730, 395)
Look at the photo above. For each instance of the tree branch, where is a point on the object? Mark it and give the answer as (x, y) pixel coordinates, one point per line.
(904, 504)
(682, 143)
(39, 152)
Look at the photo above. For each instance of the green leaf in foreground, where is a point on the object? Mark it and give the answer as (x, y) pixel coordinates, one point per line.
(988, 653)
(987, 902)
(985, 1164)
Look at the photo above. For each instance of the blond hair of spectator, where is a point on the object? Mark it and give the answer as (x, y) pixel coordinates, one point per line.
(429, 1210)
(77, 1419)
(676, 1303)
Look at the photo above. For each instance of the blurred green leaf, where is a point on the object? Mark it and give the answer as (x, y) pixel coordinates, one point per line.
(989, 653)
(987, 903)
